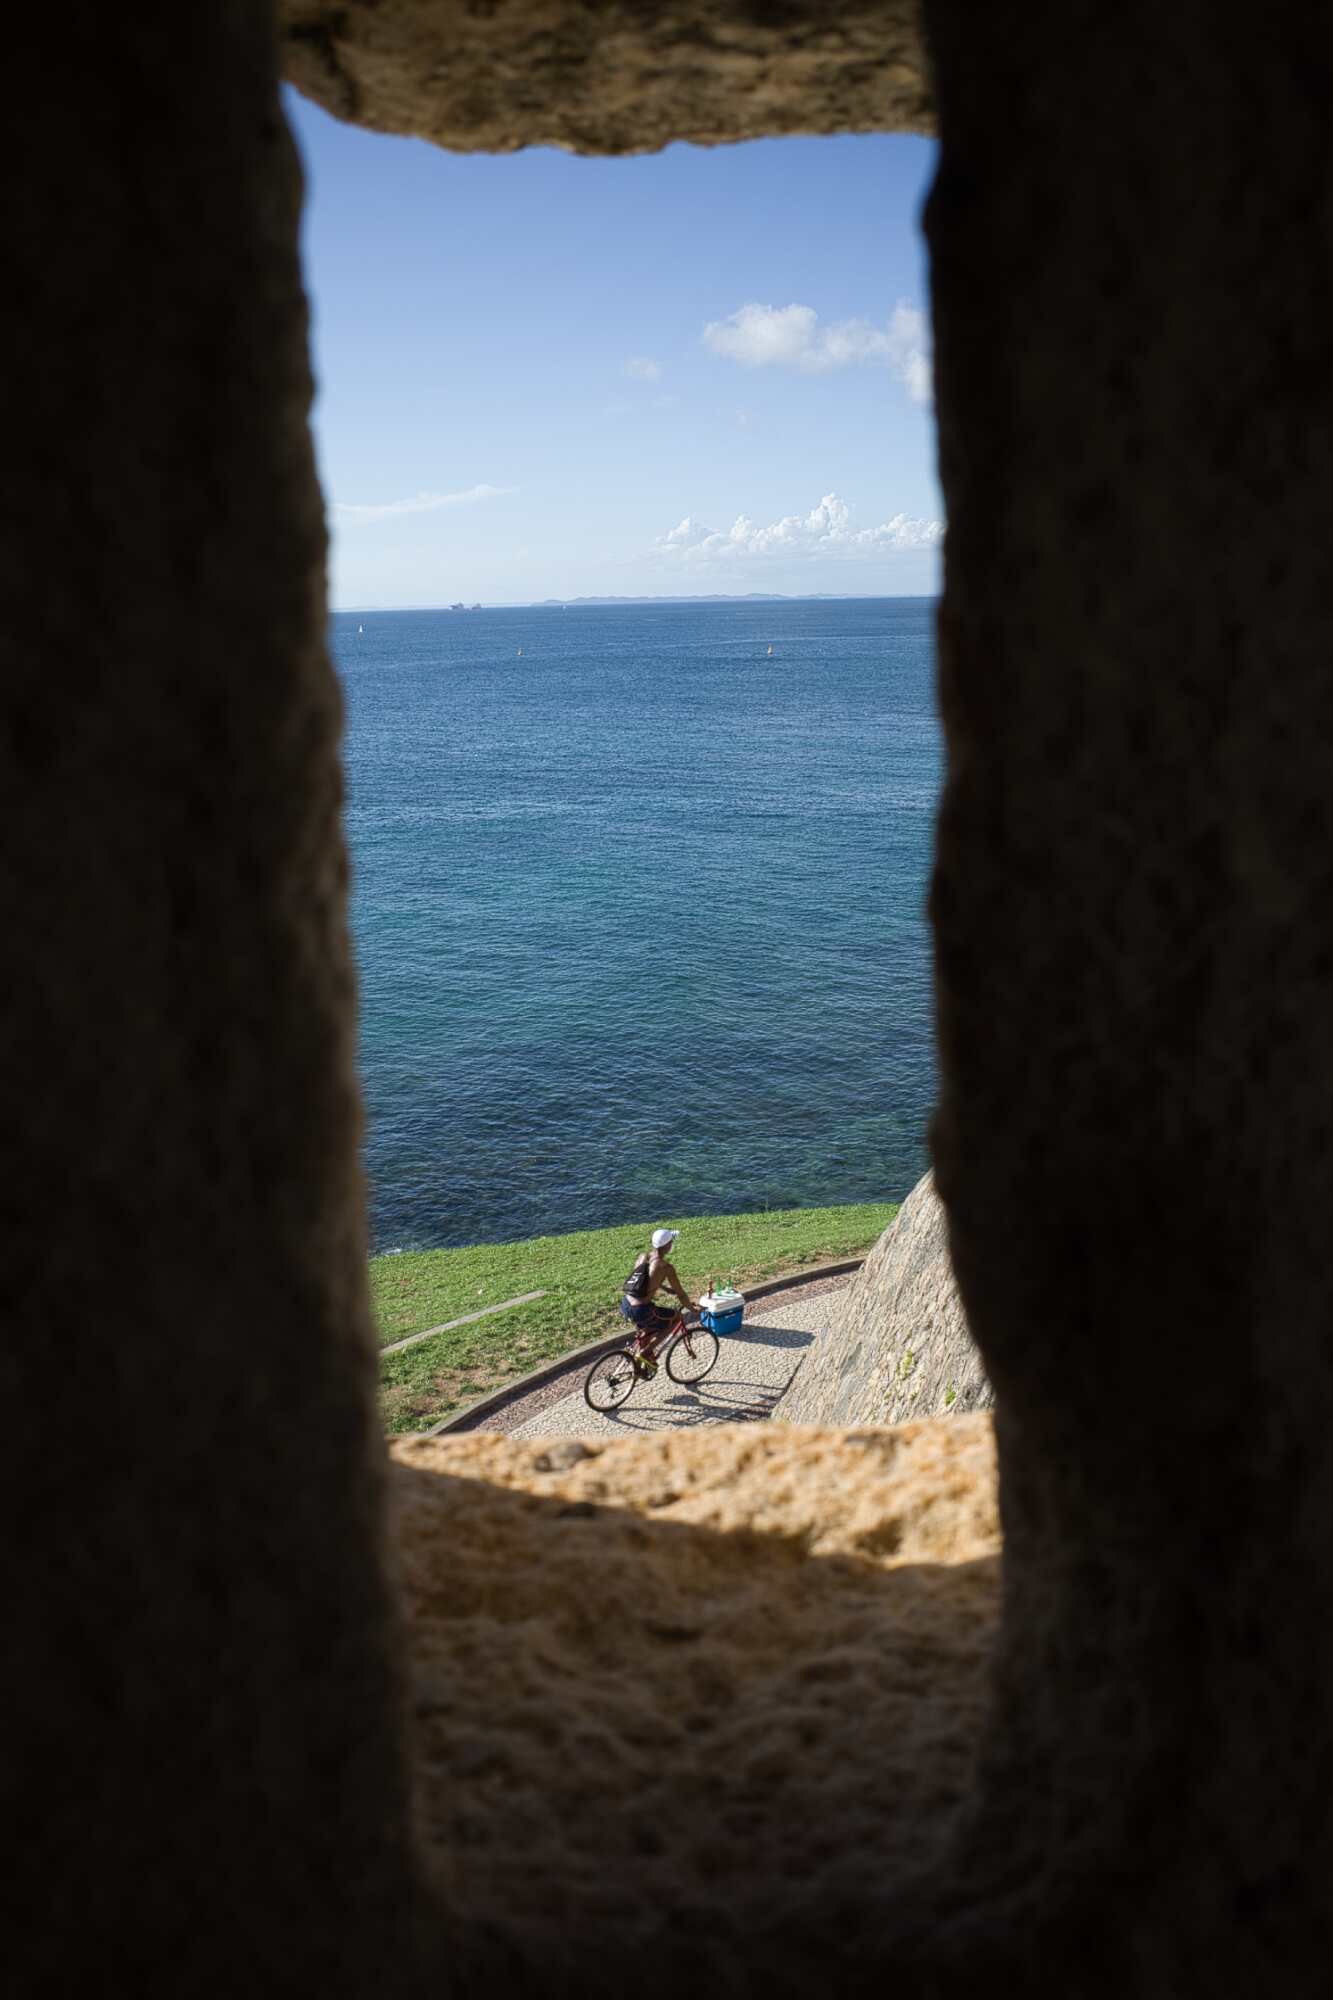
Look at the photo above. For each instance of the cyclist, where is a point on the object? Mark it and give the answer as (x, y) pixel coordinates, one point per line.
(653, 1269)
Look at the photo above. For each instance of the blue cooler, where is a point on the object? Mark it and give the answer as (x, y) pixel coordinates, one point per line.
(726, 1315)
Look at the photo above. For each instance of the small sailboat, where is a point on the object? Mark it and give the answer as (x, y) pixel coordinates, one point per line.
(770, 652)
(520, 653)
(359, 630)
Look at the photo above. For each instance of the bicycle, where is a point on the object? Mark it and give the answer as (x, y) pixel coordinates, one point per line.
(688, 1351)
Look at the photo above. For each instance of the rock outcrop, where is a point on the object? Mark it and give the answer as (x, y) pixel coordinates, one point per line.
(682, 1680)
(615, 77)
(898, 1346)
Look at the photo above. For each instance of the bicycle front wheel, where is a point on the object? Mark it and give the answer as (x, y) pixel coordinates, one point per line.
(610, 1380)
(691, 1355)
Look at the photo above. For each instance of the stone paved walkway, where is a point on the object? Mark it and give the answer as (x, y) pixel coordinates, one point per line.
(751, 1373)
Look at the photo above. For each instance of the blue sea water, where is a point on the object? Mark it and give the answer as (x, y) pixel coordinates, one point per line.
(639, 913)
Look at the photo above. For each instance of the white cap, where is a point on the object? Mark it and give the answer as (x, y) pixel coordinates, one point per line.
(661, 1237)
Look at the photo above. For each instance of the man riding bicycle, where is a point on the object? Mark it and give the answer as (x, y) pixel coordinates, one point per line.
(652, 1270)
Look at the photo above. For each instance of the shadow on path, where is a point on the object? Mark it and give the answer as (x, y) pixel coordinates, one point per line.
(753, 1370)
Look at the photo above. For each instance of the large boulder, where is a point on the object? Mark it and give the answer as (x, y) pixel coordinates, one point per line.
(898, 1345)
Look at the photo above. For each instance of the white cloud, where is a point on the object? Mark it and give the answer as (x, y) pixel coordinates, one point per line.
(643, 368)
(792, 337)
(826, 530)
(422, 503)
(909, 351)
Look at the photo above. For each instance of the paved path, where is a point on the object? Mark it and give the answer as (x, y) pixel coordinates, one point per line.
(752, 1371)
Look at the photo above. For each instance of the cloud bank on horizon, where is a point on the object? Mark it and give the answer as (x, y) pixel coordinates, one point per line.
(826, 530)
(791, 336)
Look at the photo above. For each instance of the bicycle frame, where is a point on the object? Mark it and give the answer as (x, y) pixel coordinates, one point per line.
(604, 1389)
(656, 1344)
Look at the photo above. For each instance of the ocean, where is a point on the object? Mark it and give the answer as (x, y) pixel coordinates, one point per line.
(638, 910)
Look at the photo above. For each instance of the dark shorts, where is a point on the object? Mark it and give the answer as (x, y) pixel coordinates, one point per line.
(648, 1318)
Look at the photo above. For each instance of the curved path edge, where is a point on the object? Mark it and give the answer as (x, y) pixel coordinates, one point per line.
(579, 1357)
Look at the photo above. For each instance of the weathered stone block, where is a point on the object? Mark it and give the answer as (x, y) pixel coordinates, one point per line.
(609, 76)
(897, 1344)
(671, 1690)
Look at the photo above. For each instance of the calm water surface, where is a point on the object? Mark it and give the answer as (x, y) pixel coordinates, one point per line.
(639, 915)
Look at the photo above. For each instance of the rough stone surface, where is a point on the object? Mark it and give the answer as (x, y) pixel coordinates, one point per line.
(609, 76)
(896, 1345)
(202, 1773)
(1130, 237)
(689, 1682)
(1135, 981)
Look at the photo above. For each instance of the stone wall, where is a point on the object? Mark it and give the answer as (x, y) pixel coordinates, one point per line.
(897, 1344)
(609, 76)
(1134, 975)
(202, 1777)
(1130, 232)
(668, 1686)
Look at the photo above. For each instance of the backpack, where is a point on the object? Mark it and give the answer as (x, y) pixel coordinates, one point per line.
(636, 1285)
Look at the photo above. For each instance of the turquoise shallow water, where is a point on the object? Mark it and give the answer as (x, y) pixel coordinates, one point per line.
(639, 915)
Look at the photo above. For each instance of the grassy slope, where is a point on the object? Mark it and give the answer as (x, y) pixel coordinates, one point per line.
(581, 1275)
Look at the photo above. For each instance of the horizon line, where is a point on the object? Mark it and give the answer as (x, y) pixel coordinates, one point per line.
(594, 600)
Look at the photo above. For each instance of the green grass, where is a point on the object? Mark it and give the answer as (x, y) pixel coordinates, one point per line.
(581, 1275)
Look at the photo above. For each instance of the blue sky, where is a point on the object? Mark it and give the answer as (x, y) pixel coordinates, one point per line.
(704, 370)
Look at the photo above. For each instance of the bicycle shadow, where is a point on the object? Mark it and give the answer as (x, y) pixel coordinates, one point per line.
(744, 1386)
(768, 1336)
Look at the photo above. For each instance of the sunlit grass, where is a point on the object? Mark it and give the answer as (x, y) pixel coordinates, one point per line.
(581, 1275)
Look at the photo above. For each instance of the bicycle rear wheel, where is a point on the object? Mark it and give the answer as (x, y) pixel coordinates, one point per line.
(610, 1380)
(691, 1355)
